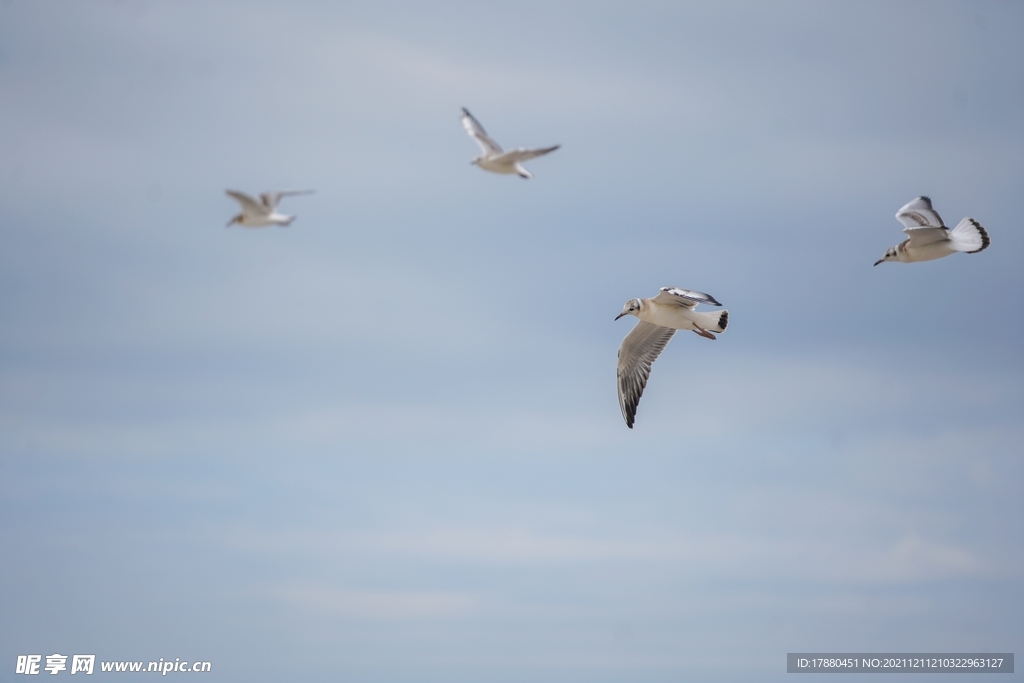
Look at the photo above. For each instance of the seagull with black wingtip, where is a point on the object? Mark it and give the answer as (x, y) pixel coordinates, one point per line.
(660, 316)
(928, 238)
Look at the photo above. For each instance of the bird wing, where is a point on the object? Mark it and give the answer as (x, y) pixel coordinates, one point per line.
(922, 236)
(919, 214)
(477, 132)
(249, 205)
(521, 154)
(272, 199)
(687, 298)
(639, 350)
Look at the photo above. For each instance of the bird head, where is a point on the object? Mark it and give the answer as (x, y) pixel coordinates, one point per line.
(632, 307)
(890, 255)
(236, 219)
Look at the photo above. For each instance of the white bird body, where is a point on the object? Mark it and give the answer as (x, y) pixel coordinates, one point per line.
(675, 316)
(929, 239)
(494, 159)
(258, 213)
(908, 252)
(660, 317)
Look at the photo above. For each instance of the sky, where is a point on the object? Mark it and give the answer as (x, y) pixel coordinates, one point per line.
(384, 443)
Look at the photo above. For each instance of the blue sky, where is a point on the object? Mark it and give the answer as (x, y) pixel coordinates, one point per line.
(384, 444)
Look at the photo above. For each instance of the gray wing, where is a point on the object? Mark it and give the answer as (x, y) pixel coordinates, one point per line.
(919, 214)
(686, 298)
(639, 350)
(922, 236)
(521, 154)
(477, 132)
(272, 199)
(249, 205)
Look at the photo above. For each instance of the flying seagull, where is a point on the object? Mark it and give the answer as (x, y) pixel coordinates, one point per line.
(257, 213)
(928, 238)
(660, 317)
(493, 158)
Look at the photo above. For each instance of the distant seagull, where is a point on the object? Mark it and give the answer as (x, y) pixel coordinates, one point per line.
(257, 213)
(928, 238)
(660, 317)
(493, 158)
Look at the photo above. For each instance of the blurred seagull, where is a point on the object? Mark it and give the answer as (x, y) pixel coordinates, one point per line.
(928, 238)
(660, 317)
(493, 158)
(257, 213)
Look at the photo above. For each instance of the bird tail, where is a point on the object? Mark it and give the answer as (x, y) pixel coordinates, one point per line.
(712, 321)
(969, 236)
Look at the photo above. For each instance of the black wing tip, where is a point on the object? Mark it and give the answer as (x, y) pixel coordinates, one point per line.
(708, 299)
(723, 320)
(628, 410)
(985, 241)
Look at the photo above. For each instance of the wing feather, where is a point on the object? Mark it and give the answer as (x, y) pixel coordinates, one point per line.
(919, 214)
(521, 154)
(639, 350)
(687, 298)
(272, 199)
(477, 132)
(922, 236)
(249, 205)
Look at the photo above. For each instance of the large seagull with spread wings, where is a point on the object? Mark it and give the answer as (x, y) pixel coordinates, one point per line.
(494, 159)
(660, 317)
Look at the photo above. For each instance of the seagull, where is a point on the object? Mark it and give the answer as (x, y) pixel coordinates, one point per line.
(660, 317)
(928, 238)
(257, 213)
(493, 158)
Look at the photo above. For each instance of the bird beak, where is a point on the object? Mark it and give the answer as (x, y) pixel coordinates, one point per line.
(620, 315)
(879, 261)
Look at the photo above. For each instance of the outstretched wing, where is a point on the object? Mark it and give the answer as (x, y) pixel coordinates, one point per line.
(249, 205)
(271, 199)
(919, 214)
(686, 298)
(477, 132)
(521, 154)
(922, 236)
(639, 350)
